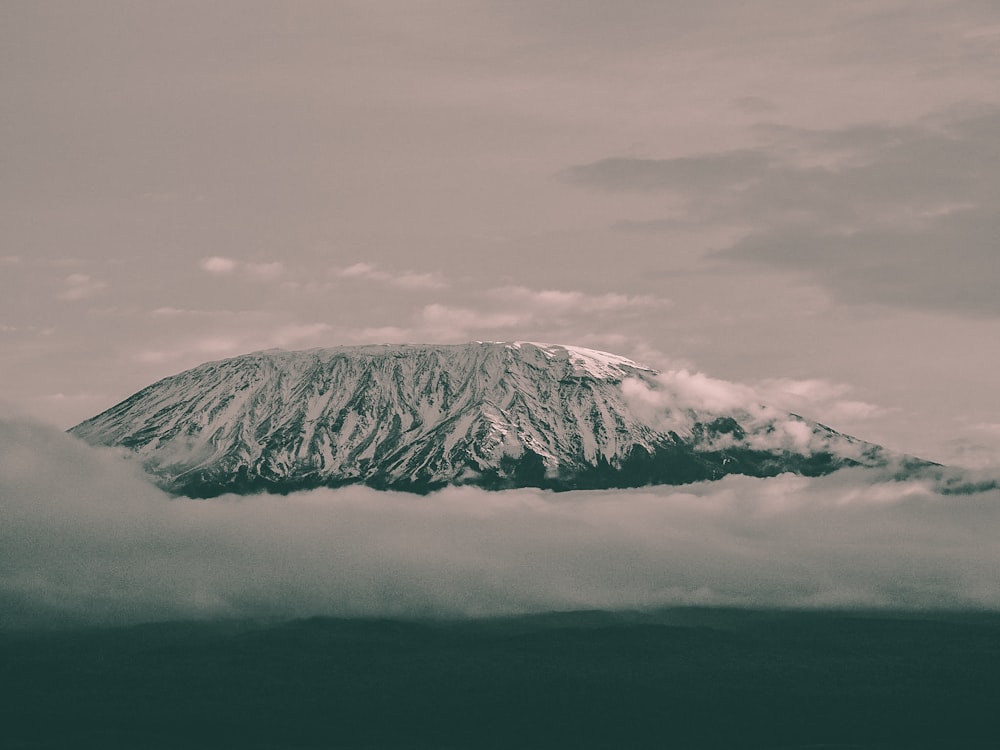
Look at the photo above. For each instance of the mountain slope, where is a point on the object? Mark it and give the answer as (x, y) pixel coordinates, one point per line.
(421, 417)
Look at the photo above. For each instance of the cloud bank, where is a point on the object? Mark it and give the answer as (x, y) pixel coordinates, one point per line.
(896, 214)
(85, 539)
(677, 399)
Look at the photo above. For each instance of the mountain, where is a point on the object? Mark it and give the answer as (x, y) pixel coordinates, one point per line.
(418, 418)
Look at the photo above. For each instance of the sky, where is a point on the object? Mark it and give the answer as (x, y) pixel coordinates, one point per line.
(800, 197)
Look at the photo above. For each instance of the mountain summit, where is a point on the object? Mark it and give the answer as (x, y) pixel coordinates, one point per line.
(418, 418)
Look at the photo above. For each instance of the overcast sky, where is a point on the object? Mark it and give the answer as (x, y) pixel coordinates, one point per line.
(800, 196)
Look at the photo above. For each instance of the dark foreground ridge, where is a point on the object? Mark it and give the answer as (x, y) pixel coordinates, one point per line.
(420, 418)
(684, 678)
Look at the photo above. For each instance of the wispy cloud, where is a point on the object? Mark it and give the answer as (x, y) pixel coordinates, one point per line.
(451, 322)
(402, 279)
(519, 310)
(218, 265)
(225, 333)
(80, 286)
(261, 271)
(574, 301)
(383, 335)
(755, 105)
(705, 172)
(824, 400)
(677, 396)
(265, 271)
(903, 215)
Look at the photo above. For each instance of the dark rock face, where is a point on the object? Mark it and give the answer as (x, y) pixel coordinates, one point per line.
(419, 418)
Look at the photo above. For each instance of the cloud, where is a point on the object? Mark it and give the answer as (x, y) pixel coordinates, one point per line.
(902, 215)
(680, 399)
(401, 279)
(382, 335)
(519, 310)
(456, 321)
(295, 333)
(815, 398)
(565, 302)
(265, 271)
(357, 270)
(973, 453)
(818, 398)
(224, 333)
(978, 448)
(950, 265)
(755, 105)
(258, 271)
(645, 226)
(218, 265)
(730, 170)
(695, 391)
(86, 539)
(80, 286)
(677, 398)
(204, 346)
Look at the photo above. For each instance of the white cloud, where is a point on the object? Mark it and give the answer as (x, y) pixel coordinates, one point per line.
(167, 310)
(383, 335)
(402, 279)
(983, 452)
(265, 271)
(207, 346)
(445, 322)
(519, 312)
(817, 398)
(226, 333)
(358, 269)
(574, 301)
(259, 271)
(677, 398)
(85, 538)
(80, 286)
(218, 265)
(297, 333)
(977, 448)
(414, 280)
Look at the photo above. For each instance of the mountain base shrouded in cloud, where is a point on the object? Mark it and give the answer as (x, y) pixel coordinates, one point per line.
(491, 415)
(86, 539)
(852, 610)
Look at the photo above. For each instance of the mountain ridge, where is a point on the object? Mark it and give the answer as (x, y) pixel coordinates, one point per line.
(421, 417)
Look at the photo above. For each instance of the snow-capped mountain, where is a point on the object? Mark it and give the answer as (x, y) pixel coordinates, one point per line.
(418, 418)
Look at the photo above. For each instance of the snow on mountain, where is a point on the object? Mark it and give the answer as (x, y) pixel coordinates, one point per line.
(415, 417)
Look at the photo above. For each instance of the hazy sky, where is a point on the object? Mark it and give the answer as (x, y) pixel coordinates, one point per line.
(801, 196)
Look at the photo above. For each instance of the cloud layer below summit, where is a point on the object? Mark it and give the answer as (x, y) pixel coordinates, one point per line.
(86, 539)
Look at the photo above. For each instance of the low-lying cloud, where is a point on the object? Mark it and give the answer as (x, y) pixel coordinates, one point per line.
(85, 539)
